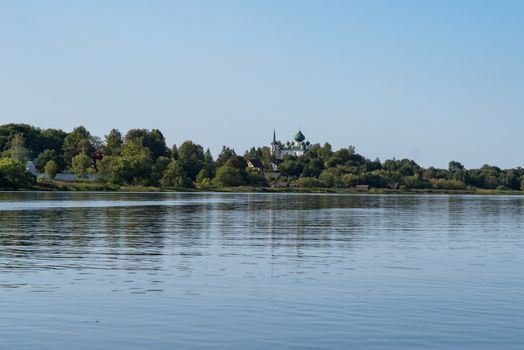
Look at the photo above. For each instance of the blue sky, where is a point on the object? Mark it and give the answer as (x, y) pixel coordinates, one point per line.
(428, 80)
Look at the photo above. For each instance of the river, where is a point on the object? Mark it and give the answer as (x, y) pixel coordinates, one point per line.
(260, 271)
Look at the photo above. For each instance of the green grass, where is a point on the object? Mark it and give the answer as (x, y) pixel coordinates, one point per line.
(54, 185)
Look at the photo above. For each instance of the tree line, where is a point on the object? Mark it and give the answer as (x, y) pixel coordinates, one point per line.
(142, 157)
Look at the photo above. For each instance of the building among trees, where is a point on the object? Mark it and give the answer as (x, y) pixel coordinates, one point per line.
(295, 148)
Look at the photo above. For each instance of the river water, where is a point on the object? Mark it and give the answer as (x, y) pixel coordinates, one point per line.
(260, 271)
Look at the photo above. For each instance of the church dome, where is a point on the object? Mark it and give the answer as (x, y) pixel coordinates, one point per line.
(299, 137)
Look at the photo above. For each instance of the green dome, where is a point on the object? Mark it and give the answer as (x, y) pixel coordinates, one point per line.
(299, 137)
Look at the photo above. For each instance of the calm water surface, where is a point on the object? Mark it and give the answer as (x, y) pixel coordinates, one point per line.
(265, 271)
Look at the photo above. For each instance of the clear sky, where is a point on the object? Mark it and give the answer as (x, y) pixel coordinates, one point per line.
(428, 80)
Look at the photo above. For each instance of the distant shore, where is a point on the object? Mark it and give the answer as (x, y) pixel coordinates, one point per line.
(53, 159)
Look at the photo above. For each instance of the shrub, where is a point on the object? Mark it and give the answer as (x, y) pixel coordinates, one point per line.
(445, 184)
(309, 182)
(228, 176)
(14, 175)
(256, 179)
(51, 168)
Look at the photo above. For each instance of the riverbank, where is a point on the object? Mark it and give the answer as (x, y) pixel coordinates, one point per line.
(50, 186)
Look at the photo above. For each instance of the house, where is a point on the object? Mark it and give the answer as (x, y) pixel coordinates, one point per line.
(280, 184)
(255, 164)
(362, 187)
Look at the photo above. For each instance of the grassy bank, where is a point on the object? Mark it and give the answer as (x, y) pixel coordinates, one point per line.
(93, 186)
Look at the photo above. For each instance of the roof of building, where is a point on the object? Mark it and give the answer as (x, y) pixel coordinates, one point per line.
(299, 136)
(255, 163)
(274, 142)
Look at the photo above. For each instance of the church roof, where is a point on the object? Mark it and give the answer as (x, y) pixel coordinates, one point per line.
(299, 136)
(255, 163)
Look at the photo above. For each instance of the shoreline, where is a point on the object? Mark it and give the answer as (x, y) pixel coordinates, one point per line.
(90, 187)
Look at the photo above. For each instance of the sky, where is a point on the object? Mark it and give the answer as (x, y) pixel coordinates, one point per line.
(432, 81)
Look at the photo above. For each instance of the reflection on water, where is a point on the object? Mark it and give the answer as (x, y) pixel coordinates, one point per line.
(161, 270)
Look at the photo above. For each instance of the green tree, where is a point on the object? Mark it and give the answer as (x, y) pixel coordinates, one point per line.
(191, 157)
(414, 182)
(334, 161)
(313, 167)
(253, 153)
(81, 164)
(17, 149)
(256, 179)
(158, 169)
(175, 176)
(51, 168)
(174, 152)
(46, 156)
(350, 180)
(237, 162)
(137, 163)
(113, 169)
(227, 176)
(224, 155)
(113, 143)
(326, 151)
(203, 179)
(292, 166)
(153, 140)
(76, 142)
(455, 166)
(405, 166)
(202, 176)
(265, 157)
(52, 139)
(14, 175)
(511, 179)
(328, 178)
(209, 164)
(36, 140)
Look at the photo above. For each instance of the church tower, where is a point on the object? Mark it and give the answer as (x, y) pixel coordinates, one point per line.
(275, 147)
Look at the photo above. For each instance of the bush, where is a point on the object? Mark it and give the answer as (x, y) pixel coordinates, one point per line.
(227, 176)
(350, 180)
(309, 182)
(328, 178)
(203, 180)
(202, 176)
(444, 184)
(256, 179)
(51, 168)
(14, 175)
(416, 182)
(205, 183)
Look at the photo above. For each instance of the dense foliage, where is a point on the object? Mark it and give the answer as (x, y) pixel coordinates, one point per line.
(142, 157)
(13, 175)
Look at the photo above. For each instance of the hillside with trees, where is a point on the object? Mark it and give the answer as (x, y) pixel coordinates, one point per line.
(142, 157)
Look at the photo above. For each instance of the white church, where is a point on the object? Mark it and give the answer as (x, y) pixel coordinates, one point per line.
(296, 148)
